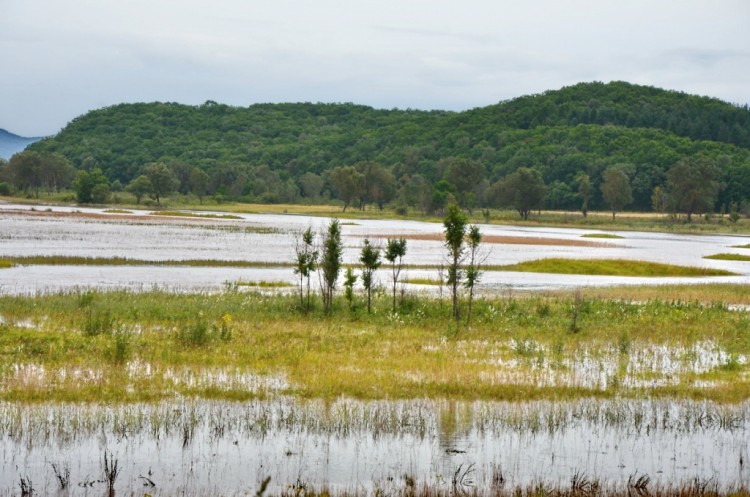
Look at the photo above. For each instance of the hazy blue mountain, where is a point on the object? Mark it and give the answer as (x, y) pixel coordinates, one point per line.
(11, 143)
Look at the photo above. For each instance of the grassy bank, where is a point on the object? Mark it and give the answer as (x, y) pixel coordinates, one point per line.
(122, 346)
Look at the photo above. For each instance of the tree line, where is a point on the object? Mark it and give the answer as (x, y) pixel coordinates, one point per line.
(407, 159)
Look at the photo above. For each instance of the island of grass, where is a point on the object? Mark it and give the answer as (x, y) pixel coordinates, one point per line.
(602, 235)
(5, 264)
(60, 260)
(611, 267)
(193, 214)
(729, 257)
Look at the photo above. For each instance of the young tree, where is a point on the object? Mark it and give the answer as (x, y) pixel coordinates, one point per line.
(395, 250)
(307, 260)
(91, 186)
(348, 183)
(584, 191)
(455, 232)
(370, 259)
(473, 271)
(616, 189)
(330, 262)
(524, 190)
(693, 185)
(349, 280)
(198, 183)
(163, 180)
(139, 187)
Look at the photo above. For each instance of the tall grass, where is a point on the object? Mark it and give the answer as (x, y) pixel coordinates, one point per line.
(246, 344)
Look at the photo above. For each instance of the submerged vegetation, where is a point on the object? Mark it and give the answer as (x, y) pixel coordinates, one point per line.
(122, 346)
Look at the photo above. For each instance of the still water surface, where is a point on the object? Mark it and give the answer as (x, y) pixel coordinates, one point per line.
(198, 447)
(271, 239)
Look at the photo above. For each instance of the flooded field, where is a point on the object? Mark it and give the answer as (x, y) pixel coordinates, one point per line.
(626, 375)
(265, 239)
(205, 448)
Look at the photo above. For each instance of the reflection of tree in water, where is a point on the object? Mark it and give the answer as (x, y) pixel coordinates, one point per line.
(454, 427)
(454, 430)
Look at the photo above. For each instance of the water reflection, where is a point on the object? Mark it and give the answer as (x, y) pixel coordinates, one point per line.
(204, 447)
(270, 238)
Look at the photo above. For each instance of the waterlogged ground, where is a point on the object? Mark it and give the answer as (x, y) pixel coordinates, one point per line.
(57, 231)
(197, 448)
(188, 446)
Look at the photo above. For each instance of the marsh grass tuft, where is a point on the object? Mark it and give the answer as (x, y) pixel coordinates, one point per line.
(98, 322)
(26, 486)
(729, 257)
(111, 469)
(602, 235)
(6, 264)
(611, 267)
(62, 474)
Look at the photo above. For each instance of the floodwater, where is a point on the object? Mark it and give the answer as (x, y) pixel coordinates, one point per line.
(206, 447)
(270, 238)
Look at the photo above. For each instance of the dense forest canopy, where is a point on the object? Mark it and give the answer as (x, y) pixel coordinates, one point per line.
(288, 152)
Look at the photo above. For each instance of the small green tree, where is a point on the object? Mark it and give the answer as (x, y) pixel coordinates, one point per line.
(395, 250)
(693, 185)
(348, 183)
(455, 232)
(198, 183)
(524, 190)
(307, 260)
(473, 270)
(349, 280)
(658, 199)
(370, 259)
(616, 189)
(163, 180)
(139, 187)
(331, 254)
(91, 186)
(584, 191)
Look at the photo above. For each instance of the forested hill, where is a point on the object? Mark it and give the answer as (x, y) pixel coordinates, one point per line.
(623, 104)
(263, 151)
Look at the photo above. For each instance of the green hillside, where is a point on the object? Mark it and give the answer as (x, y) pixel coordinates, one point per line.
(274, 152)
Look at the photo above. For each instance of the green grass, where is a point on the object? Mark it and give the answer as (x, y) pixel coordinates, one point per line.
(193, 214)
(422, 281)
(509, 351)
(728, 257)
(124, 261)
(5, 264)
(601, 235)
(261, 284)
(118, 211)
(611, 267)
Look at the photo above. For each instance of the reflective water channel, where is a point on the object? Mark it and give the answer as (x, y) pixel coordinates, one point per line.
(261, 238)
(215, 447)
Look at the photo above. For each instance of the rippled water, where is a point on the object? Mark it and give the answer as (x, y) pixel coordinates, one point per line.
(271, 238)
(198, 447)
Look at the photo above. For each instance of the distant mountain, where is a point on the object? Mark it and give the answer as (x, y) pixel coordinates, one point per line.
(11, 144)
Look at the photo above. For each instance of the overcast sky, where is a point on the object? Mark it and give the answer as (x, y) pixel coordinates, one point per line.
(62, 58)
